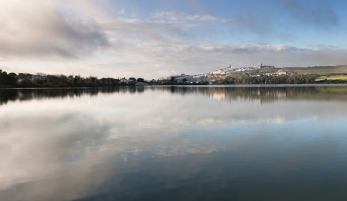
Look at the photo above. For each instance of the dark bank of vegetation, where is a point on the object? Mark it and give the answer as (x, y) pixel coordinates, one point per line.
(7, 79)
(40, 80)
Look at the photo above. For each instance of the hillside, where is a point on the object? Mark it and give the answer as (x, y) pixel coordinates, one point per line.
(320, 70)
(318, 74)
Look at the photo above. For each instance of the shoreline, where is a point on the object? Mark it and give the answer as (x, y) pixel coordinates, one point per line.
(203, 85)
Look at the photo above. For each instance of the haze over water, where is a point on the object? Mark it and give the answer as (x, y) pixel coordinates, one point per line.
(174, 143)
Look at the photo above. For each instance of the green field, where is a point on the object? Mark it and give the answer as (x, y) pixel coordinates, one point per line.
(332, 77)
(321, 70)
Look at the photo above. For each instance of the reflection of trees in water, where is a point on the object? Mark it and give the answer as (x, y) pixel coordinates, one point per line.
(29, 94)
(259, 94)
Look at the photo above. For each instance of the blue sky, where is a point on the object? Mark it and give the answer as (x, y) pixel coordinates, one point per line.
(155, 38)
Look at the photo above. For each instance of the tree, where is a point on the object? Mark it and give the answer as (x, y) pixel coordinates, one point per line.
(133, 79)
(12, 74)
(76, 79)
(8, 79)
(140, 80)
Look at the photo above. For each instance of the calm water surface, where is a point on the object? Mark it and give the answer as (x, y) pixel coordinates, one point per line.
(174, 143)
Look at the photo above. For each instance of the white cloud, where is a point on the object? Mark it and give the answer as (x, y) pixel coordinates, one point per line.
(38, 29)
(122, 12)
(183, 16)
(133, 15)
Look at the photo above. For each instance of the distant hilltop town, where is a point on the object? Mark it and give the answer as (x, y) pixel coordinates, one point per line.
(263, 74)
(228, 69)
(203, 77)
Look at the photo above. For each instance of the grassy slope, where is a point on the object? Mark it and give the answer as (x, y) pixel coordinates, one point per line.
(332, 77)
(324, 70)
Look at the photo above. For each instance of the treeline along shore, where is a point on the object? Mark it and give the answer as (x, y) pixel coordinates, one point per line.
(40, 80)
(298, 75)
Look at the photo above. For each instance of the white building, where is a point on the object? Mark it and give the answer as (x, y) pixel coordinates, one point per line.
(281, 72)
(39, 78)
(183, 78)
(265, 66)
(200, 78)
(123, 81)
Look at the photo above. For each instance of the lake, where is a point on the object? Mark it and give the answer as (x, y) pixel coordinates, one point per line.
(174, 143)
